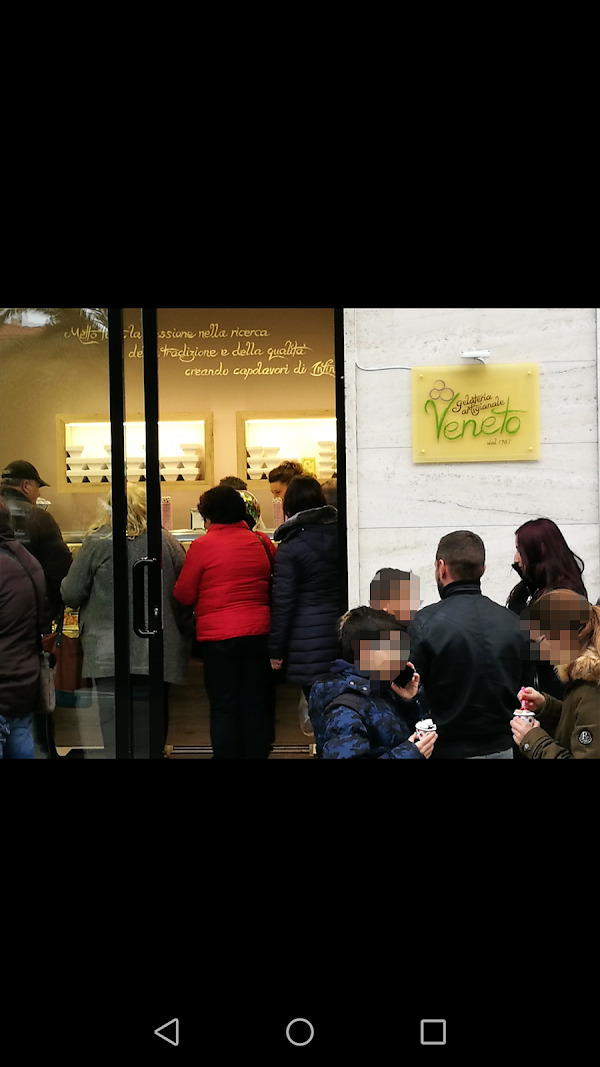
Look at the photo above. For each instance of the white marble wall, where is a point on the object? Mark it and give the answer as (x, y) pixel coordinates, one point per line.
(397, 510)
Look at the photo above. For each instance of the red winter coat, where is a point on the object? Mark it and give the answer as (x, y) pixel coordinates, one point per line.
(226, 575)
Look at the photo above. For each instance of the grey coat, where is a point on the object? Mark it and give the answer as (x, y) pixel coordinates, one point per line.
(89, 587)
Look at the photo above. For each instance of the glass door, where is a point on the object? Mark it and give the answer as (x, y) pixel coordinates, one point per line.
(71, 420)
(242, 390)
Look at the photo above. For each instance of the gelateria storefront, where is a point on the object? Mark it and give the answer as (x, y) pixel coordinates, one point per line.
(179, 398)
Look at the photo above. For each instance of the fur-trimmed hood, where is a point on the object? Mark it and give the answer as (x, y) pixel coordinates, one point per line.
(586, 668)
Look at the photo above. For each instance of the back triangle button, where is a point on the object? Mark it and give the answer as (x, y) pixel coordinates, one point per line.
(173, 1038)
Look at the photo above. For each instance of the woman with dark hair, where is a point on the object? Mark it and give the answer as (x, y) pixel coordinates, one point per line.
(226, 576)
(544, 562)
(281, 477)
(305, 600)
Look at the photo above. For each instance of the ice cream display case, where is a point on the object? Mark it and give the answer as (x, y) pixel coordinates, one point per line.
(186, 451)
(266, 439)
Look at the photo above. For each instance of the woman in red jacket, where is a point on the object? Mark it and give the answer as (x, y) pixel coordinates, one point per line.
(226, 576)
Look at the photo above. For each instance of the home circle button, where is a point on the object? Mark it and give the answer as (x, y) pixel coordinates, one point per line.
(300, 1032)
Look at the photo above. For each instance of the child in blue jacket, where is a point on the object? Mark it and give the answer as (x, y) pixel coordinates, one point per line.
(357, 710)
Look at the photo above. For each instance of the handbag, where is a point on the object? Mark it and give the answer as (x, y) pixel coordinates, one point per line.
(71, 689)
(277, 677)
(271, 564)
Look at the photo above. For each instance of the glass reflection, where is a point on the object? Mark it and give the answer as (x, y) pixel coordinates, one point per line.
(60, 356)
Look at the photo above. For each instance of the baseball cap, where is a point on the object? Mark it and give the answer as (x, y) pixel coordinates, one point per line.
(23, 470)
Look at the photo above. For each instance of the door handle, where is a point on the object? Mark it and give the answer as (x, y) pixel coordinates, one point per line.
(147, 612)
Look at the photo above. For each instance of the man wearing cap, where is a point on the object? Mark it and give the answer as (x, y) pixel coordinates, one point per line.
(20, 485)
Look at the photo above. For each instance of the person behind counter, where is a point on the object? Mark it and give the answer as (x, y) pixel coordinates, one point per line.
(281, 477)
(226, 576)
(330, 491)
(89, 587)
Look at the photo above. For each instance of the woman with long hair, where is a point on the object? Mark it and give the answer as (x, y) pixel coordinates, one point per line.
(89, 587)
(543, 562)
(566, 629)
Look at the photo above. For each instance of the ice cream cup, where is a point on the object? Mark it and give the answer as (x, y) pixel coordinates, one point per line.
(426, 726)
(526, 716)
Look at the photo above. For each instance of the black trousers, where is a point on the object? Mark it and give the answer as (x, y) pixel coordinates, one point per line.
(239, 686)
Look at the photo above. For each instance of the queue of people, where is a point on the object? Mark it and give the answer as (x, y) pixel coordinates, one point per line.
(473, 662)
(391, 680)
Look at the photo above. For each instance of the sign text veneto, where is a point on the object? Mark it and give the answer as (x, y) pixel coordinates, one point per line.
(476, 414)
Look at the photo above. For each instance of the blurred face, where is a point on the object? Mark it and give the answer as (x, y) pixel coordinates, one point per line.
(278, 490)
(556, 646)
(517, 558)
(403, 599)
(385, 655)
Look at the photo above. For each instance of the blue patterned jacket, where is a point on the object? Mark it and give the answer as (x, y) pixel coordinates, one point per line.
(352, 721)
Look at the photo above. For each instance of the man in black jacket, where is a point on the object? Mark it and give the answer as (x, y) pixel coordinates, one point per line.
(471, 655)
(34, 528)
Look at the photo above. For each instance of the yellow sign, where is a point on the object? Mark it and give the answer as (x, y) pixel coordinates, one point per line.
(476, 414)
(309, 464)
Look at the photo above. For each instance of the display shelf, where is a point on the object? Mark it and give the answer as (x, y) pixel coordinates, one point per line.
(266, 439)
(186, 450)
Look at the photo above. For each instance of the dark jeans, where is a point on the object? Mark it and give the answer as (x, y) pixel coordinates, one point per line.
(237, 678)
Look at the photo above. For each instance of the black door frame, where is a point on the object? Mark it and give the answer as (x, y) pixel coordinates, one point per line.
(116, 385)
(145, 612)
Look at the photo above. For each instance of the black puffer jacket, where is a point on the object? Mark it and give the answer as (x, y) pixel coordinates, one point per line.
(305, 602)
